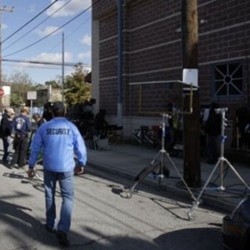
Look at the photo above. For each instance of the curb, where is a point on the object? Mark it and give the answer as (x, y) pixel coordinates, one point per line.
(212, 201)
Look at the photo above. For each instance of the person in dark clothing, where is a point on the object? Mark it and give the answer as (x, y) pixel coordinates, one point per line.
(22, 127)
(173, 132)
(213, 129)
(38, 119)
(100, 124)
(6, 130)
(243, 119)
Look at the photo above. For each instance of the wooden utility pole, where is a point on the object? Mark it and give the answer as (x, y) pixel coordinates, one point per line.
(2, 9)
(192, 172)
(63, 66)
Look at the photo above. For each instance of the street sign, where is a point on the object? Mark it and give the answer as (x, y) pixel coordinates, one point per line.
(1, 92)
(31, 95)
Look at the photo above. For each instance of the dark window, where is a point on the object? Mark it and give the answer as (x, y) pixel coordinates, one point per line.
(228, 79)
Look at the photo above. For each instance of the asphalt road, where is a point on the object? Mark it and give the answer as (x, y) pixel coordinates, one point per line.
(149, 220)
(102, 219)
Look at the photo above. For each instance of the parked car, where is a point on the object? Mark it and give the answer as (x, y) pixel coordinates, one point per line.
(236, 227)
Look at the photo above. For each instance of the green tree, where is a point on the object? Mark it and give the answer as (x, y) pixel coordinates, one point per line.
(20, 83)
(53, 84)
(76, 90)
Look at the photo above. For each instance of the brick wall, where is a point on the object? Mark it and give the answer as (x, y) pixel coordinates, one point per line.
(152, 50)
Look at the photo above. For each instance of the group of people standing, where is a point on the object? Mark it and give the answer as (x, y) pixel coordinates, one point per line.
(60, 143)
(17, 130)
(19, 126)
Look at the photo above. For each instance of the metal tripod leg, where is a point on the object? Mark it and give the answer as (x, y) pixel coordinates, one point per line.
(197, 201)
(162, 153)
(179, 174)
(151, 167)
(237, 174)
(221, 188)
(142, 175)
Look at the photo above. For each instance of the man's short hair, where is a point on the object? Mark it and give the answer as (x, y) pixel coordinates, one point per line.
(25, 109)
(36, 116)
(58, 109)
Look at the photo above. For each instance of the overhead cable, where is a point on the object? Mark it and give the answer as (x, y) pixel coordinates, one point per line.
(43, 63)
(34, 43)
(17, 40)
(7, 38)
(70, 34)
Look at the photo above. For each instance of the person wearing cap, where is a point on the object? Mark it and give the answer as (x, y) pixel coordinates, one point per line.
(6, 130)
(22, 126)
(60, 141)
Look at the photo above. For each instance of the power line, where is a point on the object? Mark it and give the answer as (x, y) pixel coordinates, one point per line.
(45, 63)
(7, 38)
(70, 34)
(17, 40)
(51, 33)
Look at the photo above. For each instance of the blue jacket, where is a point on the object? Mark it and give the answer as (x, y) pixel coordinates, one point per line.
(21, 125)
(59, 140)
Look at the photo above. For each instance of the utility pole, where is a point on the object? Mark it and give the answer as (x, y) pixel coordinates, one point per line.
(192, 172)
(63, 65)
(2, 9)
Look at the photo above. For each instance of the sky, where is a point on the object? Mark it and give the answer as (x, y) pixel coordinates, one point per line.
(30, 31)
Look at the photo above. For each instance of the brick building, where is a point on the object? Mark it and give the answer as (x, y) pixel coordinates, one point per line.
(137, 57)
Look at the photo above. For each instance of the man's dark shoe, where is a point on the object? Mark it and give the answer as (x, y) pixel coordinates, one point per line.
(62, 238)
(49, 229)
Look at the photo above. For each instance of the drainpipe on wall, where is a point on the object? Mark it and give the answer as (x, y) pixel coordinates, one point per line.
(120, 61)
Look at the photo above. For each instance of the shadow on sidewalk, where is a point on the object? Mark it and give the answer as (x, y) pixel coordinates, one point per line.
(21, 228)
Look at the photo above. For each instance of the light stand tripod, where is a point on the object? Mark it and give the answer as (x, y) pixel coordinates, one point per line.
(220, 163)
(160, 169)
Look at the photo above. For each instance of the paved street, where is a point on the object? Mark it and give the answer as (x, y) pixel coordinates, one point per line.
(102, 219)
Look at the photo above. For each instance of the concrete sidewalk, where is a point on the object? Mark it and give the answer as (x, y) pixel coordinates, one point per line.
(128, 160)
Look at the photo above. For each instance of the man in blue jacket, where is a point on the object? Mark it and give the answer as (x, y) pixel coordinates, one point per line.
(60, 141)
(22, 127)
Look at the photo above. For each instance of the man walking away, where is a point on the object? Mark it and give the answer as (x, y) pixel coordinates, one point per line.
(60, 141)
(22, 127)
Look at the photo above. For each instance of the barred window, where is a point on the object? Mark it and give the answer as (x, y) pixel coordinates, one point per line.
(228, 79)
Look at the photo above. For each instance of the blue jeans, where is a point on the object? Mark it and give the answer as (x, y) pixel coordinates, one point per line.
(66, 183)
(20, 145)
